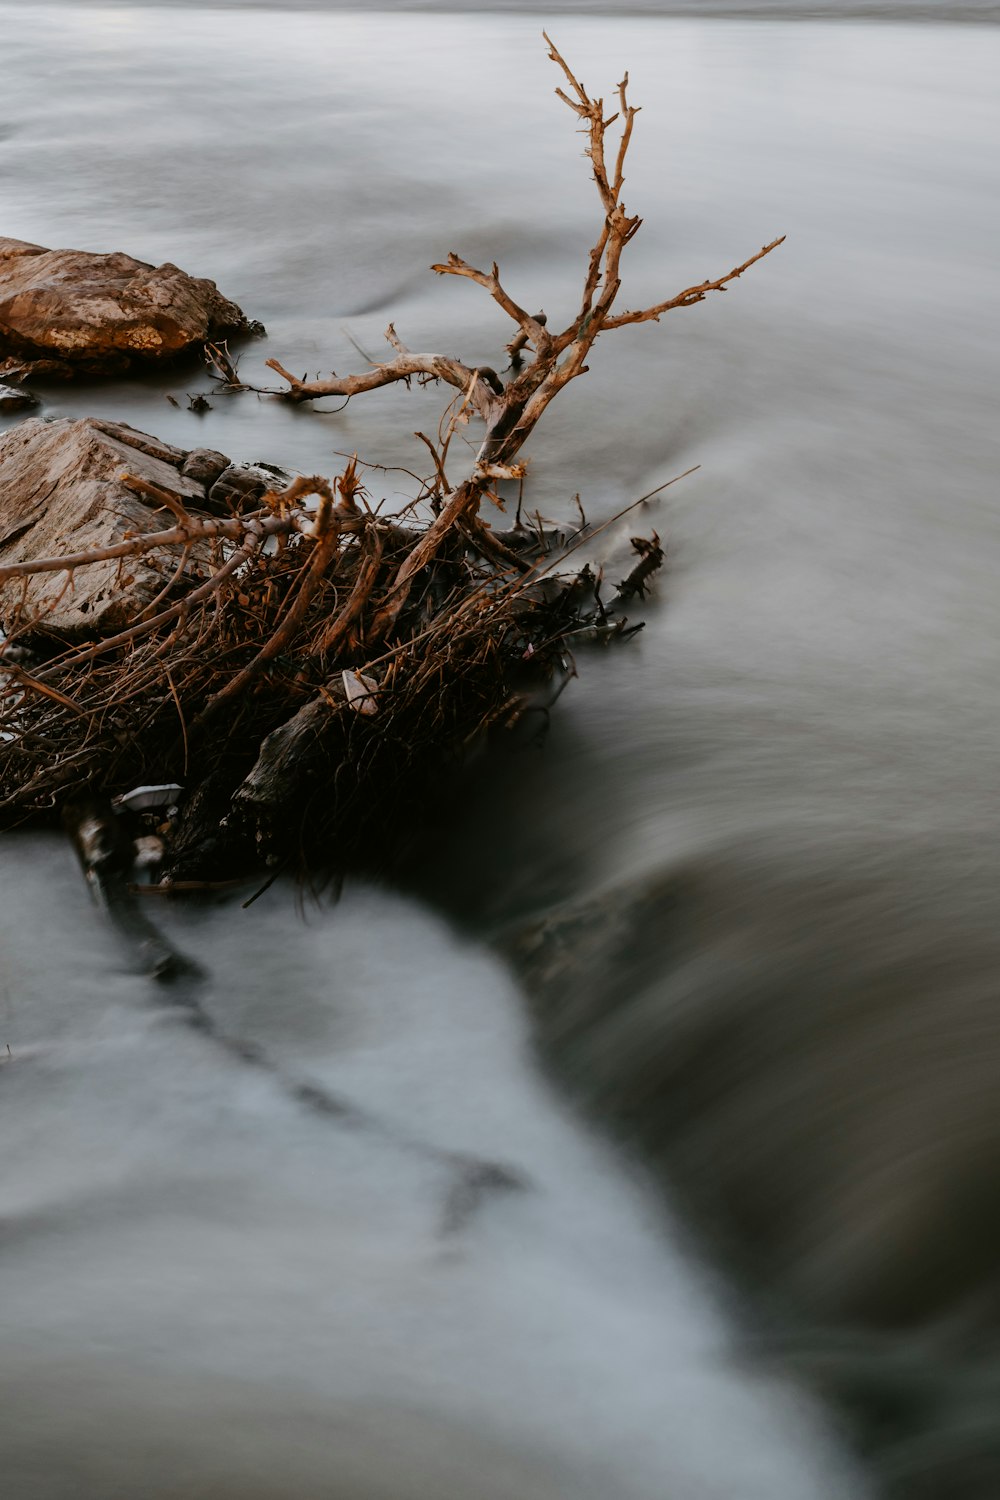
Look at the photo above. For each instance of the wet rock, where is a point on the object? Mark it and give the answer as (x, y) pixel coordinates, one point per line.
(70, 311)
(17, 369)
(61, 492)
(241, 485)
(14, 399)
(204, 465)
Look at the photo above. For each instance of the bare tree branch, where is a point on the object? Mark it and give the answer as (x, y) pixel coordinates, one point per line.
(693, 294)
(243, 554)
(145, 542)
(464, 500)
(510, 412)
(327, 541)
(403, 367)
(533, 330)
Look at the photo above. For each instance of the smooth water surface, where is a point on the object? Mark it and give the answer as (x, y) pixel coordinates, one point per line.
(790, 776)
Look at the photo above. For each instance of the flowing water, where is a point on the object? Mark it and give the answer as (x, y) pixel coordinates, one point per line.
(357, 1241)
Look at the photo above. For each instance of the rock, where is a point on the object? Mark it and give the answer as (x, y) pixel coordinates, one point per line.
(204, 465)
(61, 492)
(14, 399)
(243, 484)
(70, 311)
(15, 370)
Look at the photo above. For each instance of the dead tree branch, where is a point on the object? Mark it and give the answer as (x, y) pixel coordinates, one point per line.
(510, 412)
(533, 330)
(403, 367)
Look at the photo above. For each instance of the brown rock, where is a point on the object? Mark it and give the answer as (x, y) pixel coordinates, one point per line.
(12, 398)
(70, 311)
(61, 492)
(205, 465)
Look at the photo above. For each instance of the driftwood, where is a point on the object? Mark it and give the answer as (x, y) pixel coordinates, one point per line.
(310, 668)
(511, 411)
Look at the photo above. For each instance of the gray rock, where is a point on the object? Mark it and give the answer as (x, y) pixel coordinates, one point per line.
(242, 485)
(70, 311)
(204, 465)
(61, 492)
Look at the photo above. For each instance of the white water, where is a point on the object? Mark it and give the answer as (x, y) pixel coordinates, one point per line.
(206, 1288)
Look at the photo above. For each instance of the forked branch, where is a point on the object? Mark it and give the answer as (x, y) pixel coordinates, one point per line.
(533, 329)
(510, 411)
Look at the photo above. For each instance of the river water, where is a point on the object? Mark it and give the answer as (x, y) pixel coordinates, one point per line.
(695, 1197)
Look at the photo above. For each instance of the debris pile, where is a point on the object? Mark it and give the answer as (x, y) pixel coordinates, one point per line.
(298, 673)
(296, 670)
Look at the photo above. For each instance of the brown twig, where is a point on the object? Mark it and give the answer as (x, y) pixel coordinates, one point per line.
(693, 294)
(403, 367)
(243, 555)
(534, 331)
